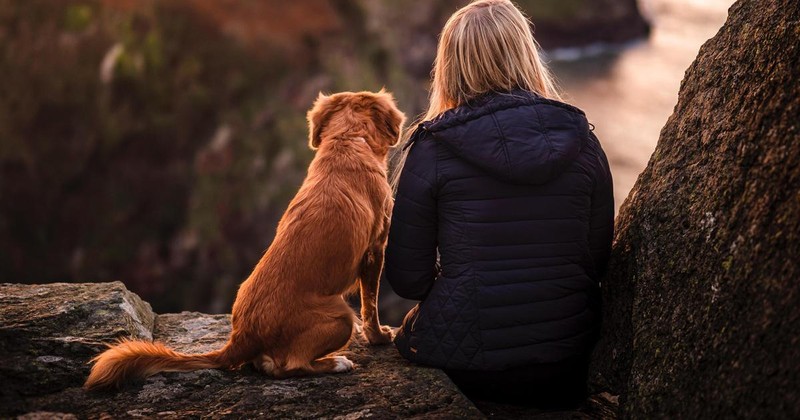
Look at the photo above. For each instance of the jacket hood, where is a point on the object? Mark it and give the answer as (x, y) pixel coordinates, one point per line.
(518, 136)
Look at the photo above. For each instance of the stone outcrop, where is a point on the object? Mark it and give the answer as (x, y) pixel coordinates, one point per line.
(701, 300)
(49, 332)
(571, 23)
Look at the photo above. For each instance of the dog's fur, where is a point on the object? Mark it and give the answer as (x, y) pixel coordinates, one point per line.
(290, 314)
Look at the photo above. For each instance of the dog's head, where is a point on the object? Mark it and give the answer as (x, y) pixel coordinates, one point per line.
(369, 115)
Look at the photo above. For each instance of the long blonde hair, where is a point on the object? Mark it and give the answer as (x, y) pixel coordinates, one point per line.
(486, 46)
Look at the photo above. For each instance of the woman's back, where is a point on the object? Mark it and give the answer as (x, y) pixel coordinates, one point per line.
(514, 192)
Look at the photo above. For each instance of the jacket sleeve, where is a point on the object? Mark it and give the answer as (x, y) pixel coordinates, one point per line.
(411, 249)
(601, 223)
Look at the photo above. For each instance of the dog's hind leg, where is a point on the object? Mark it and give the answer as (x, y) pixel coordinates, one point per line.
(309, 351)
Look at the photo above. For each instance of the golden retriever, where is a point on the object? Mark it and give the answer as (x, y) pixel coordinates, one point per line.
(290, 314)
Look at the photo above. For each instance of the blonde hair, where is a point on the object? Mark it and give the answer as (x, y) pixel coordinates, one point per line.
(486, 46)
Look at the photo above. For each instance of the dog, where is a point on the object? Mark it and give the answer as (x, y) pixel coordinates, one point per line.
(290, 314)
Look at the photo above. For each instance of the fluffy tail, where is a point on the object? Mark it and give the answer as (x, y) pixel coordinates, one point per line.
(130, 359)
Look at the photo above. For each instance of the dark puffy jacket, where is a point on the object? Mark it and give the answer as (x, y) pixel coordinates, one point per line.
(515, 194)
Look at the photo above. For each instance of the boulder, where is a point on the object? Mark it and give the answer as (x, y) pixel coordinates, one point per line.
(575, 23)
(48, 333)
(701, 299)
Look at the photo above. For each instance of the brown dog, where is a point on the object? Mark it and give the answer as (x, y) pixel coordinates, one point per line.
(290, 315)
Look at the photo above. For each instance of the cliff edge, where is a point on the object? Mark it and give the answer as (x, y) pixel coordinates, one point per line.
(49, 332)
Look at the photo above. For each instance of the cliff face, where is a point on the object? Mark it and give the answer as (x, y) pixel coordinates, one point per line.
(569, 23)
(48, 333)
(701, 300)
(158, 142)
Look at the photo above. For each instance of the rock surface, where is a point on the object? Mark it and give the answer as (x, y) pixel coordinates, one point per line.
(571, 23)
(701, 299)
(51, 331)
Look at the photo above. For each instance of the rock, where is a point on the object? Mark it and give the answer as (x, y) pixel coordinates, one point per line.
(49, 332)
(701, 299)
(573, 23)
(37, 319)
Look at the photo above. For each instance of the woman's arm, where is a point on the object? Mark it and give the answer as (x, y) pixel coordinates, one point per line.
(411, 251)
(602, 216)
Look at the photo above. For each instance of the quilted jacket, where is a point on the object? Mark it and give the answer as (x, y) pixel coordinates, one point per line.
(502, 228)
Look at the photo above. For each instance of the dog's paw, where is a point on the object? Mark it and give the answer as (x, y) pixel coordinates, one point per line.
(342, 364)
(383, 336)
(265, 365)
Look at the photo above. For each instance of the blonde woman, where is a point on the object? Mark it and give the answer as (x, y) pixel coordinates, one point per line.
(503, 219)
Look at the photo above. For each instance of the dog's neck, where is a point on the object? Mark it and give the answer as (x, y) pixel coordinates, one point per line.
(357, 139)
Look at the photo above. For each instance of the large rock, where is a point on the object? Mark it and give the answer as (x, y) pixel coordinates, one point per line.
(51, 331)
(570, 23)
(702, 297)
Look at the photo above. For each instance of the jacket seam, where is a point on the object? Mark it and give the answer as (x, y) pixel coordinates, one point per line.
(538, 343)
(531, 280)
(502, 144)
(543, 219)
(546, 133)
(536, 302)
(474, 285)
(515, 198)
(528, 324)
(421, 178)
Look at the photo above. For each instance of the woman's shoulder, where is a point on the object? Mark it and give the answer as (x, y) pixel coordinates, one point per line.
(420, 142)
(491, 102)
(420, 159)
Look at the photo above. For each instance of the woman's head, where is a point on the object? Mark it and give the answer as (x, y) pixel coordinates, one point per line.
(486, 46)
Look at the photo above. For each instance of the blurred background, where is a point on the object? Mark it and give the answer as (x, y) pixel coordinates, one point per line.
(158, 142)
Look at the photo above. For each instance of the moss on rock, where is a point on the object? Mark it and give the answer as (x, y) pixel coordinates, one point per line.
(701, 315)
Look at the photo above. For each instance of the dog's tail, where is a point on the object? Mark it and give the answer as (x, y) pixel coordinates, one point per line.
(134, 359)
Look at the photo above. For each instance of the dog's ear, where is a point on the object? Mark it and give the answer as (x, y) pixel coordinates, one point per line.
(317, 116)
(391, 119)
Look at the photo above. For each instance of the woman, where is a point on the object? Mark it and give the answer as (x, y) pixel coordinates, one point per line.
(503, 219)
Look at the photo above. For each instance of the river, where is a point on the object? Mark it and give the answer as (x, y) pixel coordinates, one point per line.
(629, 92)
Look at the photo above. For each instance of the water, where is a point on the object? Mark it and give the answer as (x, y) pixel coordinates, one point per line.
(628, 93)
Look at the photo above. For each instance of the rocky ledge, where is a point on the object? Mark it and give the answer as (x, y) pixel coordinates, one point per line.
(48, 333)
